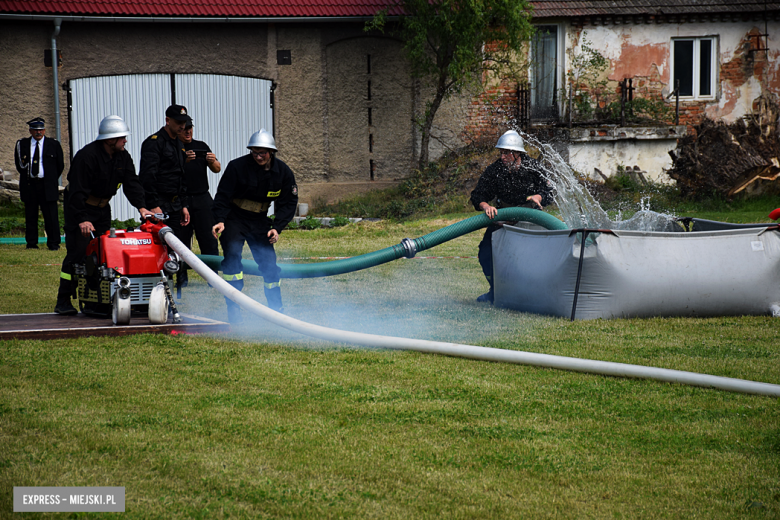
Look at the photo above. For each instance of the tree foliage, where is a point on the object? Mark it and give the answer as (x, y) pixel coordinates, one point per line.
(451, 44)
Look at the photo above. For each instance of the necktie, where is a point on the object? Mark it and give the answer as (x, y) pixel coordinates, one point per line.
(36, 166)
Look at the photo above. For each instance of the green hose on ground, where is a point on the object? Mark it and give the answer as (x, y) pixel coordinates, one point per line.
(407, 247)
(23, 241)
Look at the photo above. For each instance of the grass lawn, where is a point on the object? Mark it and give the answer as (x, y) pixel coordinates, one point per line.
(267, 423)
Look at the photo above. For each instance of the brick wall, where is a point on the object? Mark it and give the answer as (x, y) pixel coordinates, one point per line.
(492, 113)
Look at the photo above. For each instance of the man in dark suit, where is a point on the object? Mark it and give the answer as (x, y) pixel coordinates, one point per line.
(40, 162)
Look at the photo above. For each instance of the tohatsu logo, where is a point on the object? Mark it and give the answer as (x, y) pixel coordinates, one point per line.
(135, 241)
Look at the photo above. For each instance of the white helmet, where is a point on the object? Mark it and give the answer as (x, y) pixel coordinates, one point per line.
(511, 140)
(112, 126)
(262, 139)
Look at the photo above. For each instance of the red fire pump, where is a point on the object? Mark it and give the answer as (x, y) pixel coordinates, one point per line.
(128, 271)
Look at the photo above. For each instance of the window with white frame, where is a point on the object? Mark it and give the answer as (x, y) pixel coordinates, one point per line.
(694, 65)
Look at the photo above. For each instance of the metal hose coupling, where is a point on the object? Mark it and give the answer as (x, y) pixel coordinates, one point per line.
(410, 249)
(164, 231)
(123, 289)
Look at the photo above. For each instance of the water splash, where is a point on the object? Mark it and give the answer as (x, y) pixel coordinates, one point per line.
(578, 207)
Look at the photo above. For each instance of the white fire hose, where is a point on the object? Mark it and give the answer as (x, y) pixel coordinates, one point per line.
(607, 368)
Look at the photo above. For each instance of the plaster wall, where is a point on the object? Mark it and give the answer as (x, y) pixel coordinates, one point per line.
(451, 118)
(299, 103)
(369, 110)
(652, 157)
(642, 51)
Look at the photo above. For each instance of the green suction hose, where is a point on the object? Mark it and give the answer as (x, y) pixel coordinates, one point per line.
(407, 248)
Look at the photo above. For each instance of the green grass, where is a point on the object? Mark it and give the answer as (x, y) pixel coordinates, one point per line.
(12, 221)
(268, 423)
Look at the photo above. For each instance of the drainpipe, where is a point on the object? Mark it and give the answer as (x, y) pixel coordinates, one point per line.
(54, 63)
(55, 70)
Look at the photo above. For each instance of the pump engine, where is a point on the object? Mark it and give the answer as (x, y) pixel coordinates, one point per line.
(128, 271)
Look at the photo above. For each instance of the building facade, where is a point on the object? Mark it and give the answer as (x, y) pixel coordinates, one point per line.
(341, 101)
(724, 55)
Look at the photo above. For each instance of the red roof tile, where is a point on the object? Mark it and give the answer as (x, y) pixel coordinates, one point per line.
(196, 8)
(363, 8)
(574, 8)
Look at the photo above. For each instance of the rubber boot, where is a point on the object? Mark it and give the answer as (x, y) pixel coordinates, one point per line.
(182, 280)
(233, 309)
(234, 313)
(274, 298)
(488, 296)
(63, 306)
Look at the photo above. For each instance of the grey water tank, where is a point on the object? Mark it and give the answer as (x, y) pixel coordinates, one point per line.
(717, 272)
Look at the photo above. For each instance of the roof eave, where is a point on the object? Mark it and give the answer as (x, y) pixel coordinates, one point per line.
(184, 19)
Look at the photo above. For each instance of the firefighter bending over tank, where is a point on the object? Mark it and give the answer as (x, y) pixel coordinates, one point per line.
(247, 188)
(514, 180)
(96, 173)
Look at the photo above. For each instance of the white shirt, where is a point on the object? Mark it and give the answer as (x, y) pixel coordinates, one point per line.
(33, 144)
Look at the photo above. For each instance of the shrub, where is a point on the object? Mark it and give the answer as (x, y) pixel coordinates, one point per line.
(12, 225)
(125, 224)
(310, 223)
(339, 221)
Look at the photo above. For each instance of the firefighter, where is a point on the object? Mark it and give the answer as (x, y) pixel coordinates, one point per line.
(96, 173)
(515, 179)
(198, 157)
(247, 188)
(162, 172)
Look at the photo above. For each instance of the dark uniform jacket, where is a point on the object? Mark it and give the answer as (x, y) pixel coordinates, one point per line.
(512, 188)
(93, 172)
(53, 164)
(195, 172)
(245, 179)
(162, 171)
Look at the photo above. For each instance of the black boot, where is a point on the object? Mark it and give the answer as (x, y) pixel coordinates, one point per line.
(182, 280)
(234, 313)
(65, 308)
(274, 298)
(63, 305)
(487, 297)
(233, 309)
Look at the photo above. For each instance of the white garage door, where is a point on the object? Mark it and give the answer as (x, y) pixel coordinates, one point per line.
(226, 110)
